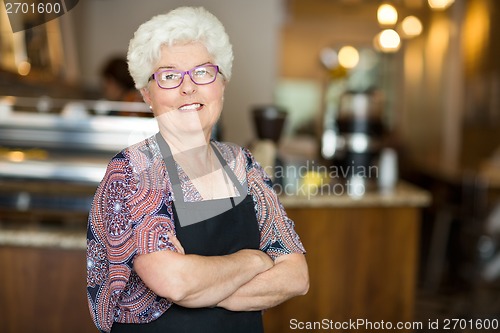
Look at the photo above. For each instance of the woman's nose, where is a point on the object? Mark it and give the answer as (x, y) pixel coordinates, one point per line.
(187, 86)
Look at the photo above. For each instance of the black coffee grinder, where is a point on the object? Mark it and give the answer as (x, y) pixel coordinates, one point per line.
(269, 121)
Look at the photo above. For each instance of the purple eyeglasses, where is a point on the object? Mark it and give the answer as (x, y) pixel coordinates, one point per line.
(171, 78)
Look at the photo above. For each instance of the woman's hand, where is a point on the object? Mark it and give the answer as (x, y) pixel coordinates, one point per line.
(175, 242)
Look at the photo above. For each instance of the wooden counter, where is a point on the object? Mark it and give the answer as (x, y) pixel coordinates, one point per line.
(43, 290)
(362, 256)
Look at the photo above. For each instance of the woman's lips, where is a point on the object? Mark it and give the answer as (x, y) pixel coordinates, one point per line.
(191, 107)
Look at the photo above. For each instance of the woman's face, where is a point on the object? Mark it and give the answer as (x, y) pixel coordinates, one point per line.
(189, 108)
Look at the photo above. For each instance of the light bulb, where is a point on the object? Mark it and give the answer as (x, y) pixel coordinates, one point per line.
(348, 57)
(440, 4)
(388, 41)
(411, 26)
(387, 14)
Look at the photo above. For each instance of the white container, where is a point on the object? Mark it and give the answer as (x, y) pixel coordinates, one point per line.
(388, 170)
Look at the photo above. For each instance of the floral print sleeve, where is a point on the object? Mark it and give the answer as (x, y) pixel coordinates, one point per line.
(130, 215)
(278, 236)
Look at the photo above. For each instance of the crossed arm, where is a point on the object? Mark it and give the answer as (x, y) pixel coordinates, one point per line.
(243, 281)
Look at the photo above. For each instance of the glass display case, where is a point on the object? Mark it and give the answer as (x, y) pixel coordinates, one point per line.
(53, 153)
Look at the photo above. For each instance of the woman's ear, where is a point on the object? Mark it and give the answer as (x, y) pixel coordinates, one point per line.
(146, 95)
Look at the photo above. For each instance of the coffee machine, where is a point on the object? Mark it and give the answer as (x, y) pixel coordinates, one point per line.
(360, 135)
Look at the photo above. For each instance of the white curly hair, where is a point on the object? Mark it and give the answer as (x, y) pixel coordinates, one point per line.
(181, 25)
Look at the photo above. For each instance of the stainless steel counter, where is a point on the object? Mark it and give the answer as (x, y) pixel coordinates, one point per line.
(53, 153)
(89, 133)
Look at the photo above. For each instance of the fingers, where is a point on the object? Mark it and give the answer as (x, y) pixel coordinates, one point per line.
(175, 242)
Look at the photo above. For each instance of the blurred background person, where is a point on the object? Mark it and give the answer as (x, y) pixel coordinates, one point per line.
(119, 86)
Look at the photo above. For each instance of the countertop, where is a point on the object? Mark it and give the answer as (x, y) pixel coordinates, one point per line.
(404, 194)
(43, 238)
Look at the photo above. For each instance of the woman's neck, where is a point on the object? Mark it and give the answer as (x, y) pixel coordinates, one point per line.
(181, 142)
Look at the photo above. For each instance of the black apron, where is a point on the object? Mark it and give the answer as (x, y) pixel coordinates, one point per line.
(226, 233)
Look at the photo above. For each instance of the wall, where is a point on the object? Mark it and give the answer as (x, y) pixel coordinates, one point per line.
(481, 48)
(104, 28)
(445, 111)
(451, 112)
(315, 24)
(433, 92)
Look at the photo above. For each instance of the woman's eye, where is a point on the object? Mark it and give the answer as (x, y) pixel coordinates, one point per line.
(169, 76)
(201, 72)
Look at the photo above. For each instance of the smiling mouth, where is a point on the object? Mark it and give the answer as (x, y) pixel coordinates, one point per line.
(191, 107)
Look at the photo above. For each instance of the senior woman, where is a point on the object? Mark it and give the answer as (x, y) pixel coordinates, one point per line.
(186, 234)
